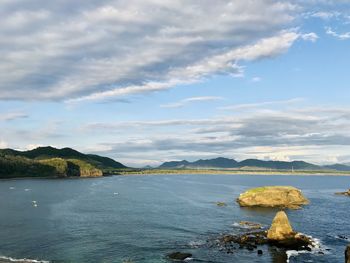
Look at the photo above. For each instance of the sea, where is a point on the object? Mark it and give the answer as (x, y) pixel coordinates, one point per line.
(143, 218)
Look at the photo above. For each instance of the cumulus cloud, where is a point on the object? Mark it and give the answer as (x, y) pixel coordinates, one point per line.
(58, 50)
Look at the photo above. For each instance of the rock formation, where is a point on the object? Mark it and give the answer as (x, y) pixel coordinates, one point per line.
(347, 254)
(179, 256)
(280, 228)
(273, 196)
(280, 234)
(347, 193)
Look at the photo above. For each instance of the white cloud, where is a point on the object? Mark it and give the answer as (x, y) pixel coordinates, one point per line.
(89, 49)
(262, 104)
(225, 63)
(343, 36)
(325, 15)
(310, 37)
(3, 144)
(311, 134)
(256, 79)
(187, 101)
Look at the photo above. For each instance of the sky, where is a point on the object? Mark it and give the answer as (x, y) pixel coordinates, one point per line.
(150, 81)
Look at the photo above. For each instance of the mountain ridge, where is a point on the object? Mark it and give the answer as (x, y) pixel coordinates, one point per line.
(222, 163)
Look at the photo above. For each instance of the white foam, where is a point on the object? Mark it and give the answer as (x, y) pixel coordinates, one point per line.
(315, 248)
(196, 244)
(9, 259)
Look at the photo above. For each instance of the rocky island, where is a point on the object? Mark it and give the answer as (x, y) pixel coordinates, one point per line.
(273, 196)
(280, 234)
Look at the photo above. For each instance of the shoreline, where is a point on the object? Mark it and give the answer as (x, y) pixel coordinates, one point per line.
(191, 172)
(233, 172)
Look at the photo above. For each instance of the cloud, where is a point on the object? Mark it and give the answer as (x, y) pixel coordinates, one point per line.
(343, 36)
(187, 101)
(256, 79)
(325, 15)
(262, 104)
(10, 116)
(225, 63)
(89, 49)
(315, 133)
(310, 37)
(3, 144)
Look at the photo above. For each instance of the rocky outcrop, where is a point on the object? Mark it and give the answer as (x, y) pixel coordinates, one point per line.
(347, 193)
(273, 196)
(179, 256)
(280, 235)
(347, 254)
(280, 228)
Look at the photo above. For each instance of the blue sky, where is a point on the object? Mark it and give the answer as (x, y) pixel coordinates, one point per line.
(151, 81)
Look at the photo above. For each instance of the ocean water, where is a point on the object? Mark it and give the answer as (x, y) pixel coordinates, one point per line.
(143, 218)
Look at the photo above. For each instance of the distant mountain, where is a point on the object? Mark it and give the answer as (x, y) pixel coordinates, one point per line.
(279, 165)
(210, 163)
(338, 167)
(231, 163)
(175, 164)
(52, 162)
(48, 152)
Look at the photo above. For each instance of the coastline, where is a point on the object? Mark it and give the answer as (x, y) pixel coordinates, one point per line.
(160, 172)
(232, 172)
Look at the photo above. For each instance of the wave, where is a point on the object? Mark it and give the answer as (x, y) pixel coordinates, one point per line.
(4, 259)
(316, 248)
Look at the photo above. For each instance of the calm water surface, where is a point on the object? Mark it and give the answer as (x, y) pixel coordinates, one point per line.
(143, 218)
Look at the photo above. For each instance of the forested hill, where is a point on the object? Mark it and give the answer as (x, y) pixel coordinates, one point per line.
(50, 161)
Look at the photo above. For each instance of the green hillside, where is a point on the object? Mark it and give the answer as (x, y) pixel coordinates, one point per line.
(52, 162)
(48, 152)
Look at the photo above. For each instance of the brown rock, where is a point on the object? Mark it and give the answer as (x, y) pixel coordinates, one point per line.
(251, 225)
(273, 196)
(344, 193)
(280, 228)
(347, 254)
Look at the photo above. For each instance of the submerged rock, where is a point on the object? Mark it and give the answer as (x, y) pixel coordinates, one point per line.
(221, 204)
(347, 193)
(179, 256)
(273, 196)
(250, 225)
(347, 254)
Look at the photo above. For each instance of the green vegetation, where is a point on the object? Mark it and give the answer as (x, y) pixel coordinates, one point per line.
(252, 164)
(52, 162)
(17, 166)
